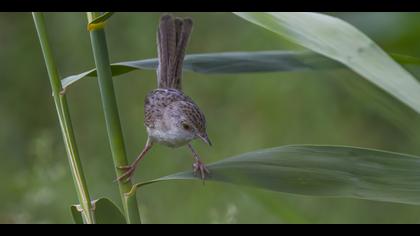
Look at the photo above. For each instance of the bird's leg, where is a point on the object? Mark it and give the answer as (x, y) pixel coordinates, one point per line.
(129, 170)
(198, 164)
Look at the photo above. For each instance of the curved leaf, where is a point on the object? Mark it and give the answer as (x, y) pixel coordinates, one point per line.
(106, 212)
(237, 62)
(102, 18)
(98, 22)
(227, 62)
(329, 171)
(342, 42)
(76, 214)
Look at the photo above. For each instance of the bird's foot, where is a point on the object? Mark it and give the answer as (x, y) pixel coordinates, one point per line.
(128, 173)
(199, 166)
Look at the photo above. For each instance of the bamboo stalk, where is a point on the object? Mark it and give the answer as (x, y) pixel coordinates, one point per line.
(109, 104)
(65, 122)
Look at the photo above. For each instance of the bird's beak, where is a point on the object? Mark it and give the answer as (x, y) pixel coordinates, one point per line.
(205, 138)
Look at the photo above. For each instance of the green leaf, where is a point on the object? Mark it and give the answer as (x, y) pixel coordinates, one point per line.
(328, 171)
(102, 18)
(227, 62)
(76, 214)
(237, 62)
(338, 40)
(106, 212)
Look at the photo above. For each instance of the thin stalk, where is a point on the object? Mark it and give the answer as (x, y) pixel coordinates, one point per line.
(109, 104)
(65, 122)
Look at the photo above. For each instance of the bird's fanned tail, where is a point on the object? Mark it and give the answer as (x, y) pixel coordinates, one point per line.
(173, 36)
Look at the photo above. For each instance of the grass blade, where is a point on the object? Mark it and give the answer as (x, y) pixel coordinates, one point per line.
(238, 62)
(328, 171)
(338, 40)
(227, 63)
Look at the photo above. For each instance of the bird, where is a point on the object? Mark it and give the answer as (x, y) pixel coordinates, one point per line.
(171, 117)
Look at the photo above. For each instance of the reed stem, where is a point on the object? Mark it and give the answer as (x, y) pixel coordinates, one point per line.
(65, 121)
(109, 104)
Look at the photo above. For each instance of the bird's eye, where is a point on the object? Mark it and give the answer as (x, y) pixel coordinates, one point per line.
(186, 127)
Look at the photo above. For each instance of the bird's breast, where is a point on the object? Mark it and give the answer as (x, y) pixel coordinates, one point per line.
(167, 137)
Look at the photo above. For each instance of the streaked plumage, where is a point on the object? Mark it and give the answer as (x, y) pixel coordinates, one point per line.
(164, 109)
(171, 117)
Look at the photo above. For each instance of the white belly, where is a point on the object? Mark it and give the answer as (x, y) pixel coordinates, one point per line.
(168, 138)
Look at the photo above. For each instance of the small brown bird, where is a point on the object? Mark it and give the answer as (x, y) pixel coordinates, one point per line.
(171, 117)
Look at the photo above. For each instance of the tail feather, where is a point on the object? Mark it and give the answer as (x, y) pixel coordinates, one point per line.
(166, 47)
(173, 36)
(180, 50)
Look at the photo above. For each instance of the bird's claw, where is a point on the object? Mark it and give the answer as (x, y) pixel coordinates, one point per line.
(128, 173)
(199, 166)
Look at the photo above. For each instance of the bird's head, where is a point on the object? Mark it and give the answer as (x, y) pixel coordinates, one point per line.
(188, 121)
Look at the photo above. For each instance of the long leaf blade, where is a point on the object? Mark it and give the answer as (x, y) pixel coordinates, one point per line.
(227, 63)
(329, 171)
(336, 39)
(237, 62)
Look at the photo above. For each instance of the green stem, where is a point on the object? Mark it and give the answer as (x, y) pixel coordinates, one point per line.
(109, 103)
(65, 121)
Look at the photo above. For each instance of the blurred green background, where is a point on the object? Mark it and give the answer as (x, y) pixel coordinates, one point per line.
(245, 112)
